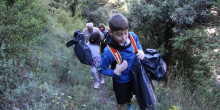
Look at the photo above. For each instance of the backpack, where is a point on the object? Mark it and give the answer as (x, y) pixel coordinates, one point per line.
(116, 53)
(104, 42)
(106, 39)
(81, 50)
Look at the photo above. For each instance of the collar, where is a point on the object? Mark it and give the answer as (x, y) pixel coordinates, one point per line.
(114, 44)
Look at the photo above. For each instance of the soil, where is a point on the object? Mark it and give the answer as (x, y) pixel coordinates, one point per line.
(105, 98)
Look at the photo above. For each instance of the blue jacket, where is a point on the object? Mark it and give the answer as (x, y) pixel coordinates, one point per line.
(108, 59)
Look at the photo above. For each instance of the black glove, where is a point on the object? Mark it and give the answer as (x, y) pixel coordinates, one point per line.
(77, 36)
(70, 43)
(76, 33)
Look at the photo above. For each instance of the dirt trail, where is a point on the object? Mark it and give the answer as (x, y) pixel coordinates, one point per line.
(107, 100)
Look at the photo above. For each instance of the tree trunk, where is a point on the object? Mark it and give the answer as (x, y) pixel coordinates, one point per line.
(168, 46)
(73, 7)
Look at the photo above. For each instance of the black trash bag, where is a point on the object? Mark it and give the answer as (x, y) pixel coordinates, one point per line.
(143, 86)
(77, 36)
(70, 43)
(82, 51)
(154, 64)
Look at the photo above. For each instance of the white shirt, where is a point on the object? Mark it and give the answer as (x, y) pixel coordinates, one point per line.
(95, 51)
(87, 34)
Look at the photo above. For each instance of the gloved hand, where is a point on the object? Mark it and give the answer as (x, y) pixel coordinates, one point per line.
(76, 33)
(140, 54)
(70, 43)
(120, 67)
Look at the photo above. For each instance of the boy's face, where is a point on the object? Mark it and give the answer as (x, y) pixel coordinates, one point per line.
(120, 36)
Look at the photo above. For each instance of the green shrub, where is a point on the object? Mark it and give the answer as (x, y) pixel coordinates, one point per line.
(177, 26)
(195, 68)
(101, 15)
(20, 23)
(217, 4)
(63, 21)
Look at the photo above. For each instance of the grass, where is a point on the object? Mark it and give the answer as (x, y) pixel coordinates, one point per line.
(53, 78)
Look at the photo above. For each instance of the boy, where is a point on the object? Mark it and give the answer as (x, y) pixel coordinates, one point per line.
(121, 72)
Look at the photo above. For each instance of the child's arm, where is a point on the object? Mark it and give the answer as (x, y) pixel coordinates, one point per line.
(140, 54)
(120, 67)
(104, 65)
(117, 71)
(107, 60)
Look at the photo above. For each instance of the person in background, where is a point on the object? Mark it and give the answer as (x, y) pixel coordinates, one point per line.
(102, 29)
(93, 44)
(120, 71)
(89, 30)
(105, 31)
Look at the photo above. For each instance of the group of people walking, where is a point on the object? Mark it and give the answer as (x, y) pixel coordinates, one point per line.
(93, 37)
(118, 55)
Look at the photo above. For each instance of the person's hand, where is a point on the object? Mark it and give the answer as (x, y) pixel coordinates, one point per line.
(140, 54)
(76, 33)
(120, 67)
